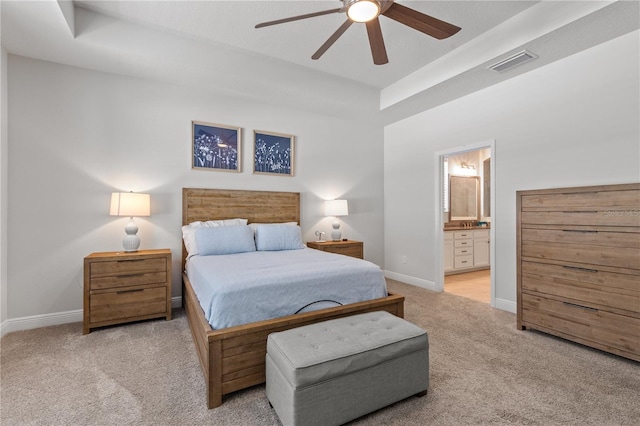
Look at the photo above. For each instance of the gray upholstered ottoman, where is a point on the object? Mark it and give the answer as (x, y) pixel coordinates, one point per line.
(334, 371)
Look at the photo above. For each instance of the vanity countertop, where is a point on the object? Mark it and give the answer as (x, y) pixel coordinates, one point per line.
(465, 228)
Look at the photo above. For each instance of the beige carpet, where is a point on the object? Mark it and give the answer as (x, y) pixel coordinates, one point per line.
(483, 371)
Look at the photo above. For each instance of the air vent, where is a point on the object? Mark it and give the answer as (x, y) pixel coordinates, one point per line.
(512, 61)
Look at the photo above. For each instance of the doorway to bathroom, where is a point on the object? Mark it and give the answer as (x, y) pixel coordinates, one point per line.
(466, 221)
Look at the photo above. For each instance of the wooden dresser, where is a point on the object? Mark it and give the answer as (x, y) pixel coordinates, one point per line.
(348, 248)
(121, 287)
(578, 254)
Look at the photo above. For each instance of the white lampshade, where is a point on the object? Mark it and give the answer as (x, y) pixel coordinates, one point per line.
(130, 204)
(336, 208)
(363, 10)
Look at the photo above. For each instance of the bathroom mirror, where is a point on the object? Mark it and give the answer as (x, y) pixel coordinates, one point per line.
(464, 198)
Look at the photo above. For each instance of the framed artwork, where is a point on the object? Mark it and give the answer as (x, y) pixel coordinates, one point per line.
(216, 147)
(273, 153)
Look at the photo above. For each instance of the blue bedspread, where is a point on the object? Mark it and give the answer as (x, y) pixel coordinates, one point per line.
(242, 288)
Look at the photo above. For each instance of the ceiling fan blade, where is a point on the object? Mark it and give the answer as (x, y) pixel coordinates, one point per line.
(335, 36)
(377, 42)
(421, 22)
(296, 18)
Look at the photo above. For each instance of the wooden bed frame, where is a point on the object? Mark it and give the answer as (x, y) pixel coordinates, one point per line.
(234, 358)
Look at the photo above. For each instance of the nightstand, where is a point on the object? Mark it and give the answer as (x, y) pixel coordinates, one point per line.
(348, 248)
(122, 287)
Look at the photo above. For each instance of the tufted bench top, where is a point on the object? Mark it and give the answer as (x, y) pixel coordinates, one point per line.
(321, 351)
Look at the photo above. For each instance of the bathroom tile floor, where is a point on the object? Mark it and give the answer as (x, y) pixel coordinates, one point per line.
(474, 285)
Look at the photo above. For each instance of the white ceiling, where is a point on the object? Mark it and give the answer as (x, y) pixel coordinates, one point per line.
(214, 43)
(232, 23)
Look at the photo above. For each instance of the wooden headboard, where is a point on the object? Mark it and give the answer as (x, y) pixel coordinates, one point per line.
(257, 206)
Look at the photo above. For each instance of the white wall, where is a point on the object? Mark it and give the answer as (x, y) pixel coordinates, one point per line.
(3, 187)
(571, 123)
(77, 135)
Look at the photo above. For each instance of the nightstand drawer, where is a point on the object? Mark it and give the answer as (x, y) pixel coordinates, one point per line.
(127, 266)
(347, 248)
(127, 303)
(353, 251)
(128, 280)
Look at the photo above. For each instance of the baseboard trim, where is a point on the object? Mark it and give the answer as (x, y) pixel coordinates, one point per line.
(176, 302)
(418, 282)
(506, 305)
(4, 326)
(46, 320)
(502, 304)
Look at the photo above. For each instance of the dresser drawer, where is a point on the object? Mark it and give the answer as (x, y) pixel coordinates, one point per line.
(607, 237)
(584, 254)
(463, 261)
(586, 217)
(590, 326)
(608, 199)
(619, 292)
(124, 304)
(128, 280)
(127, 266)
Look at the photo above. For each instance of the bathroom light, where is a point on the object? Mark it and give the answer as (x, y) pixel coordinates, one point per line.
(362, 10)
(130, 204)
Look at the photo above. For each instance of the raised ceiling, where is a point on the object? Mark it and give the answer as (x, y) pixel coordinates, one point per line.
(215, 43)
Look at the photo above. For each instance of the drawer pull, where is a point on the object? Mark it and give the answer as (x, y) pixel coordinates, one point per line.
(130, 260)
(580, 306)
(575, 268)
(135, 290)
(130, 275)
(580, 230)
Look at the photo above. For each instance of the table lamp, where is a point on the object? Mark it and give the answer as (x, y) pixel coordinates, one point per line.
(130, 204)
(336, 208)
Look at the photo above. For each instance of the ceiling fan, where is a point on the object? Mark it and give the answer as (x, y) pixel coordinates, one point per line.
(367, 12)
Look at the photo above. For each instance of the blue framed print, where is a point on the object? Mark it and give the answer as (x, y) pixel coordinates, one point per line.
(216, 147)
(273, 153)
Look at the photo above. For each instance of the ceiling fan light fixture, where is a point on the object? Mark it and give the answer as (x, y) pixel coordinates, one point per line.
(362, 10)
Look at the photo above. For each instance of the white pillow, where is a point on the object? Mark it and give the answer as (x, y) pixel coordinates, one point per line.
(276, 237)
(189, 238)
(254, 225)
(216, 240)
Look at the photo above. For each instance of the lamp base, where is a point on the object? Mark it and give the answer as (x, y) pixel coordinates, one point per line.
(336, 235)
(131, 242)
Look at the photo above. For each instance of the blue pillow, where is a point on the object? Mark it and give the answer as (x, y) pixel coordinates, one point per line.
(224, 240)
(276, 237)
